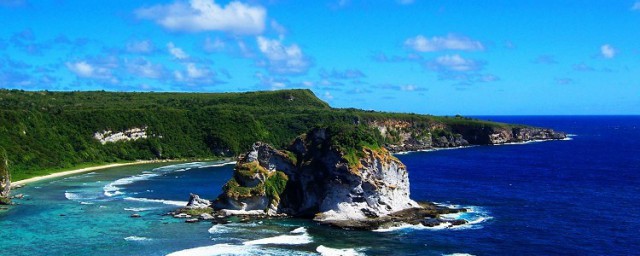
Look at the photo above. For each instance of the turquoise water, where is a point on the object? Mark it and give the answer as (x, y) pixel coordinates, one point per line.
(574, 197)
(89, 214)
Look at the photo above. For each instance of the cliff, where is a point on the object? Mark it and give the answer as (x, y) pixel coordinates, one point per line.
(403, 135)
(5, 178)
(317, 178)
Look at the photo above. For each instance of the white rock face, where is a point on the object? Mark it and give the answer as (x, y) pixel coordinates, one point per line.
(132, 134)
(383, 188)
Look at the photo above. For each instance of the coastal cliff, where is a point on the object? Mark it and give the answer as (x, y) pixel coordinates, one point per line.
(337, 175)
(5, 178)
(315, 178)
(402, 135)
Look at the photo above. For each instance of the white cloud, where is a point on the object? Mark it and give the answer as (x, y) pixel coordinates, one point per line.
(408, 88)
(177, 52)
(144, 46)
(454, 63)
(214, 45)
(194, 75)
(608, 51)
(636, 6)
(144, 68)
(278, 28)
(85, 69)
(328, 96)
(281, 59)
(206, 15)
(273, 83)
(451, 42)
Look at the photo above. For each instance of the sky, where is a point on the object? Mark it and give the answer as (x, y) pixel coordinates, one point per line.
(441, 57)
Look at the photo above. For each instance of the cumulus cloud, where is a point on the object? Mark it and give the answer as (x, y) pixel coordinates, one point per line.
(145, 69)
(282, 59)
(608, 51)
(342, 74)
(85, 69)
(177, 53)
(194, 75)
(271, 83)
(206, 15)
(421, 43)
(454, 63)
(144, 46)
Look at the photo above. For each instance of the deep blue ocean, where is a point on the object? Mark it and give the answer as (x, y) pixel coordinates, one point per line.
(571, 197)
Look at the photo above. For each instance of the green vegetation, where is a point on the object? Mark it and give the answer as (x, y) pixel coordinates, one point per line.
(196, 211)
(48, 131)
(275, 185)
(352, 139)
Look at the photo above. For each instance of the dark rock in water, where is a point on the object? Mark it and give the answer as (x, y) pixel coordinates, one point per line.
(431, 222)
(194, 220)
(458, 222)
(196, 202)
(62, 215)
(135, 215)
(18, 196)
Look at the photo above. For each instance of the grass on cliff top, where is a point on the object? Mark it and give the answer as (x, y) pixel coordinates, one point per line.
(352, 139)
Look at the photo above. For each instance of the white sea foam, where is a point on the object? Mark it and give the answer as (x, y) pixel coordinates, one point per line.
(303, 238)
(300, 230)
(114, 188)
(140, 209)
(137, 238)
(219, 228)
(458, 254)
(218, 164)
(474, 216)
(328, 251)
(148, 200)
(230, 249)
(86, 203)
(75, 196)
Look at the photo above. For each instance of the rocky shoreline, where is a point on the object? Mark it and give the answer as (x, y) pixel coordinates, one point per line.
(359, 188)
(463, 136)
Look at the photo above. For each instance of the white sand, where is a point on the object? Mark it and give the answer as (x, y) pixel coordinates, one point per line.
(77, 171)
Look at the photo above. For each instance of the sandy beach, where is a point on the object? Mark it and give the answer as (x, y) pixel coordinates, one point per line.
(77, 171)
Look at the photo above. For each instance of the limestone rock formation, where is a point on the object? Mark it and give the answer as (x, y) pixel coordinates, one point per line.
(314, 178)
(5, 178)
(196, 202)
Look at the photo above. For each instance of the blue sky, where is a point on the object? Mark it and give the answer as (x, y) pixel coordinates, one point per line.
(422, 56)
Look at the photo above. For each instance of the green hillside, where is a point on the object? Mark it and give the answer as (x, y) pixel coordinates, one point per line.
(51, 130)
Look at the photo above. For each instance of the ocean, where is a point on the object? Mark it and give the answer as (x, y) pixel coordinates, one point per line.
(571, 197)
